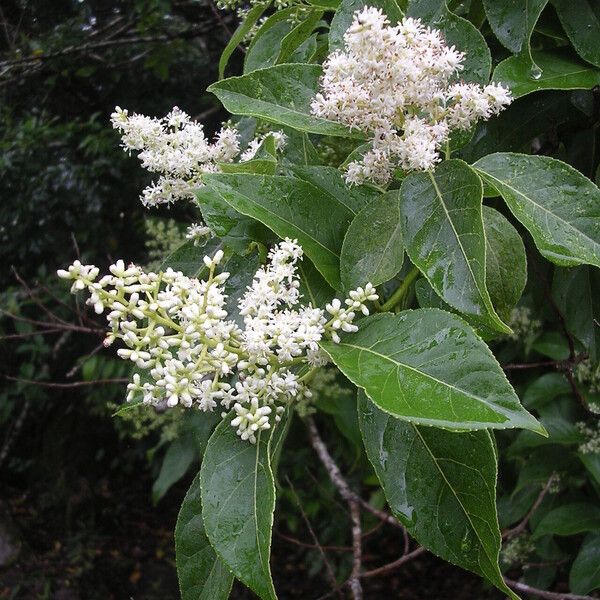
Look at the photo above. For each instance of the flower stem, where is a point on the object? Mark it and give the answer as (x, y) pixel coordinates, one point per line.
(402, 289)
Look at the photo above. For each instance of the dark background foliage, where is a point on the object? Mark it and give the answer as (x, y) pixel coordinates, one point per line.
(77, 518)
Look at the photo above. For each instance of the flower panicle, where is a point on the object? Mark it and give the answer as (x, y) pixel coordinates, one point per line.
(178, 330)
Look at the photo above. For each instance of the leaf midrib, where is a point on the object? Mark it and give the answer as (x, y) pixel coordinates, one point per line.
(414, 369)
(528, 198)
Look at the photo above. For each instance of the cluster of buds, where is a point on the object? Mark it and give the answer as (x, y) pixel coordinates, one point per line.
(177, 329)
(394, 83)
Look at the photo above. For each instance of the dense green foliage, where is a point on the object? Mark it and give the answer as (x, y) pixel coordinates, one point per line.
(470, 404)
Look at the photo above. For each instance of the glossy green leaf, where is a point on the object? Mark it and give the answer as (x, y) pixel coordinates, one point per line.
(513, 21)
(240, 33)
(201, 573)
(442, 224)
(266, 42)
(299, 150)
(291, 208)
(585, 570)
(313, 287)
(581, 22)
(505, 262)
(373, 250)
(345, 13)
(233, 228)
(300, 33)
(177, 460)
(263, 162)
(553, 71)
(569, 519)
(331, 180)
(441, 485)
(457, 32)
(517, 126)
(281, 94)
(238, 500)
(577, 295)
(428, 367)
(188, 258)
(557, 204)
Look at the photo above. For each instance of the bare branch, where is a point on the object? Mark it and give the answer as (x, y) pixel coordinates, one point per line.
(74, 384)
(346, 493)
(527, 589)
(520, 527)
(328, 566)
(394, 565)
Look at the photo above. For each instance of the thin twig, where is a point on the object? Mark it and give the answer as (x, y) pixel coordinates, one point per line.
(394, 565)
(520, 527)
(328, 566)
(346, 493)
(297, 542)
(527, 589)
(74, 384)
(354, 581)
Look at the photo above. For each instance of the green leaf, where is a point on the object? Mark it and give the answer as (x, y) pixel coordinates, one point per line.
(177, 460)
(237, 230)
(516, 127)
(331, 180)
(188, 258)
(299, 150)
(201, 573)
(313, 287)
(577, 295)
(505, 262)
(240, 33)
(291, 208)
(428, 367)
(266, 42)
(569, 519)
(591, 462)
(557, 204)
(281, 94)
(238, 500)
(300, 33)
(264, 161)
(552, 71)
(373, 250)
(545, 389)
(585, 571)
(345, 13)
(457, 32)
(513, 21)
(581, 22)
(442, 224)
(441, 485)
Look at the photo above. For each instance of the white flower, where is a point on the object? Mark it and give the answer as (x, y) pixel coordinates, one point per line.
(393, 83)
(178, 329)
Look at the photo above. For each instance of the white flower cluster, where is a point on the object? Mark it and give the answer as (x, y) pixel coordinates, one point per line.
(591, 445)
(393, 83)
(177, 328)
(589, 374)
(197, 233)
(176, 147)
